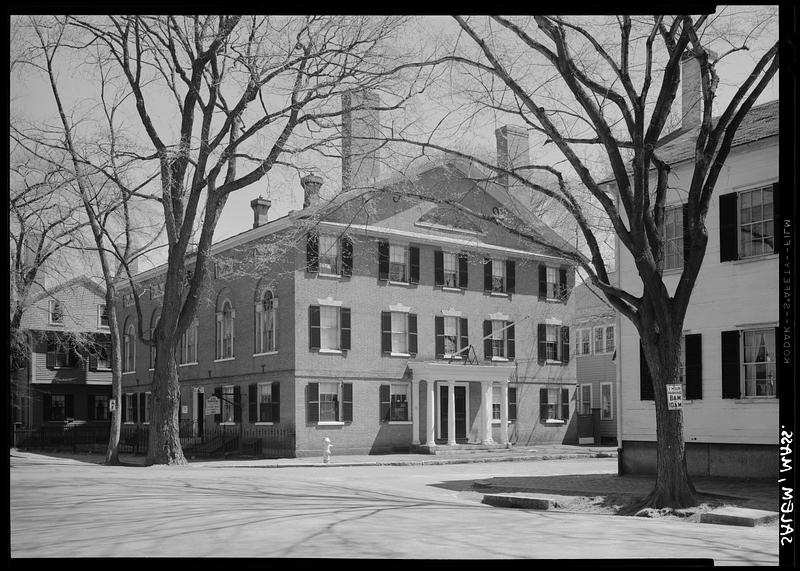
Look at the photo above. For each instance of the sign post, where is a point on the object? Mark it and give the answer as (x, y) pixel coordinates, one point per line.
(674, 397)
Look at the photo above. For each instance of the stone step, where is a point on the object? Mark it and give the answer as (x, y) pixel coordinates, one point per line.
(730, 515)
(523, 501)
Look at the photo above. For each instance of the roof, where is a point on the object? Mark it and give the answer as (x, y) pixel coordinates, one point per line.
(80, 280)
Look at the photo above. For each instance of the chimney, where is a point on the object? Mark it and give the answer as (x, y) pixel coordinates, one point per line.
(360, 156)
(260, 208)
(311, 185)
(513, 151)
(692, 89)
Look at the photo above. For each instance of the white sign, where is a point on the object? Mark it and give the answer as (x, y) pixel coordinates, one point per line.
(112, 405)
(185, 409)
(674, 397)
(213, 405)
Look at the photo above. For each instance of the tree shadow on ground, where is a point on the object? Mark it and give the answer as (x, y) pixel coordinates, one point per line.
(56, 457)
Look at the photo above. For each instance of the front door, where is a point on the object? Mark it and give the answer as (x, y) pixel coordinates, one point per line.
(461, 412)
(201, 413)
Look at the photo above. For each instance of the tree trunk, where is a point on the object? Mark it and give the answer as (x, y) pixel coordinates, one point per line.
(112, 452)
(164, 440)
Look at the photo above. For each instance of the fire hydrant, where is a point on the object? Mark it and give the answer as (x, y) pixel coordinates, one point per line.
(326, 450)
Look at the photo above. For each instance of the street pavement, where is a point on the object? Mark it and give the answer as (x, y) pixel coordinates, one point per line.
(72, 506)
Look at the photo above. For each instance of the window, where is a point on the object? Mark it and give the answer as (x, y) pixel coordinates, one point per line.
(264, 400)
(603, 339)
(394, 403)
(329, 255)
(225, 320)
(227, 403)
(673, 237)
(60, 355)
(552, 343)
(266, 323)
(585, 399)
(553, 284)
(100, 359)
(399, 332)
(55, 312)
(553, 405)
(606, 410)
(498, 339)
(759, 363)
(497, 403)
(329, 328)
(398, 263)
(499, 276)
(102, 316)
(452, 336)
(153, 349)
(450, 269)
(329, 402)
(188, 353)
(129, 350)
(98, 407)
(230, 404)
(583, 342)
(747, 223)
(58, 407)
(129, 407)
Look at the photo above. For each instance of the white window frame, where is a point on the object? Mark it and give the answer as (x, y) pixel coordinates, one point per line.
(392, 392)
(582, 390)
(673, 243)
(499, 276)
(583, 334)
(106, 363)
(263, 389)
(610, 415)
(405, 264)
(337, 399)
(323, 258)
(744, 364)
(230, 315)
(613, 330)
(762, 220)
(52, 305)
(550, 328)
(131, 401)
(227, 409)
(455, 321)
(399, 319)
(266, 313)
(185, 354)
(63, 399)
(556, 418)
(500, 339)
(604, 349)
(101, 398)
(453, 260)
(100, 312)
(335, 331)
(553, 284)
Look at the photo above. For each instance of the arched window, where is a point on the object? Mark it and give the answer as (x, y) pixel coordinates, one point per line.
(129, 349)
(225, 319)
(153, 324)
(266, 323)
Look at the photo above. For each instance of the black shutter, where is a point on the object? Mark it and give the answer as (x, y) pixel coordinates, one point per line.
(438, 268)
(312, 253)
(463, 342)
(562, 284)
(541, 343)
(312, 402)
(731, 387)
(69, 406)
(383, 260)
(386, 332)
(487, 339)
(276, 401)
(413, 252)
(687, 244)
(463, 271)
(384, 403)
(50, 362)
(728, 227)
(777, 225)
(344, 317)
(313, 327)
(347, 256)
(412, 334)
(347, 402)
(47, 407)
(90, 408)
(511, 276)
(542, 405)
(564, 344)
(512, 403)
(694, 366)
(142, 406)
(510, 342)
(218, 394)
(438, 322)
(564, 404)
(542, 282)
(252, 403)
(124, 407)
(646, 391)
(487, 274)
(135, 409)
(237, 404)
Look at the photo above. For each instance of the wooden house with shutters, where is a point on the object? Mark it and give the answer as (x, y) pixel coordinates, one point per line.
(731, 341)
(66, 377)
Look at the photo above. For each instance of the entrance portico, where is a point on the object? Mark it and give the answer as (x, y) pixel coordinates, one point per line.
(447, 399)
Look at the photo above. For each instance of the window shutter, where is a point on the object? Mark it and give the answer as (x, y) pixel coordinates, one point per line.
(512, 403)
(384, 403)
(347, 402)
(347, 256)
(142, 406)
(412, 333)
(312, 253)
(562, 284)
(386, 331)
(542, 282)
(438, 322)
(237, 404)
(564, 344)
(564, 404)
(728, 227)
(312, 402)
(694, 366)
(252, 402)
(218, 394)
(313, 327)
(219, 335)
(124, 407)
(464, 334)
(542, 405)
(541, 343)
(687, 245)
(646, 391)
(383, 260)
(135, 408)
(51, 357)
(413, 252)
(731, 387)
(487, 339)
(344, 330)
(276, 401)
(776, 212)
(438, 268)
(510, 342)
(463, 271)
(47, 407)
(487, 274)
(511, 276)
(90, 407)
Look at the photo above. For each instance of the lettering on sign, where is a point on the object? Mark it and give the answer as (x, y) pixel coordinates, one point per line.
(112, 405)
(674, 397)
(213, 405)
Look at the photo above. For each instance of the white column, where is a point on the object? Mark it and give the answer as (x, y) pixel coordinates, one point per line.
(486, 409)
(451, 413)
(430, 429)
(415, 411)
(504, 412)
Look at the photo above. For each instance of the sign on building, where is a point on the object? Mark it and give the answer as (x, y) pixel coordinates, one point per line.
(674, 397)
(213, 405)
(185, 409)
(112, 405)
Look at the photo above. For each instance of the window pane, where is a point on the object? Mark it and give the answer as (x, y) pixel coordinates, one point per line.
(227, 403)
(328, 254)
(399, 332)
(329, 402)
(398, 405)
(329, 327)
